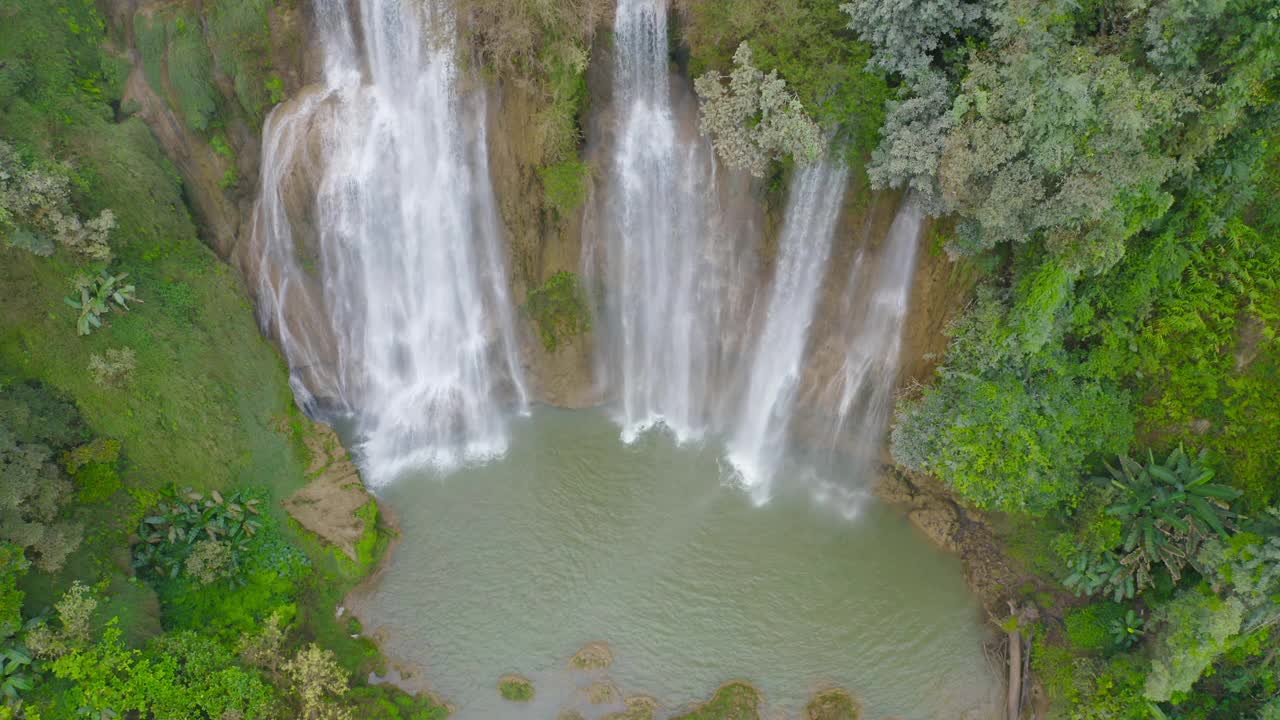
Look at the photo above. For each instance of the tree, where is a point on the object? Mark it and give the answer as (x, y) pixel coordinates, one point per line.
(908, 33)
(1060, 143)
(318, 683)
(755, 120)
(32, 492)
(36, 212)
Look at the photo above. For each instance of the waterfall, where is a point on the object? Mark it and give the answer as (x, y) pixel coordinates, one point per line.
(869, 374)
(662, 309)
(406, 323)
(759, 441)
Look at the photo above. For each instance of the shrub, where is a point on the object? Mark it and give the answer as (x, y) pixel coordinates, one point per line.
(318, 683)
(75, 613)
(97, 297)
(565, 185)
(98, 482)
(176, 528)
(558, 309)
(1090, 628)
(114, 367)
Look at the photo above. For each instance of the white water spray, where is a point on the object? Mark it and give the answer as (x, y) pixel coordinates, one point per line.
(412, 330)
(870, 369)
(759, 441)
(660, 306)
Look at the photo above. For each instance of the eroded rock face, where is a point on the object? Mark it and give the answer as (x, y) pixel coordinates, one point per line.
(330, 504)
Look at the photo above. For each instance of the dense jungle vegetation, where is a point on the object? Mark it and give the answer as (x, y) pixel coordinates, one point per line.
(147, 430)
(1111, 396)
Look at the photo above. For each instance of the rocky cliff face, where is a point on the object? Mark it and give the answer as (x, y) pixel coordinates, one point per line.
(221, 166)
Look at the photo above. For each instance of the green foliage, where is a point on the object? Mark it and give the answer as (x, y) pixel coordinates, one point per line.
(36, 212)
(909, 36)
(1012, 441)
(98, 296)
(806, 43)
(1089, 627)
(240, 36)
(1198, 627)
(1126, 631)
(169, 535)
(13, 565)
(191, 73)
(1061, 146)
(542, 47)
(179, 675)
(16, 673)
(275, 89)
(31, 504)
(1167, 511)
(565, 185)
(558, 309)
(756, 120)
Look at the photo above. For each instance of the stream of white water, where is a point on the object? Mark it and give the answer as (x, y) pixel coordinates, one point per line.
(419, 344)
(760, 439)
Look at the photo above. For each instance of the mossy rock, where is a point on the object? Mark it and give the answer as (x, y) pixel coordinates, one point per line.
(639, 707)
(733, 701)
(515, 688)
(603, 693)
(832, 704)
(592, 656)
(570, 715)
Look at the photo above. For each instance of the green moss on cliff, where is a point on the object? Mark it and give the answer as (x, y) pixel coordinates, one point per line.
(558, 309)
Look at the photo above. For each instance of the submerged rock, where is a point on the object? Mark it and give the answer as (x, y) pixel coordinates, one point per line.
(737, 700)
(592, 656)
(832, 704)
(639, 707)
(515, 688)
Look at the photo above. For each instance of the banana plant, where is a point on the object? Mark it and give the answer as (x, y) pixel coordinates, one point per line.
(167, 537)
(1127, 631)
(16, 673)
(97, 297)
(1168, 510)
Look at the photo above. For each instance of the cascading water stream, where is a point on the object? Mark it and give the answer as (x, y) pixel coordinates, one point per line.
(661, 308)
(410, 330)
(759, 442)
(870, 366)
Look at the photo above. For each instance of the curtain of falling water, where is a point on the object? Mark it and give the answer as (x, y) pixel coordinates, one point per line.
(412, 330)
(871, 361)
(662, 308)
(760, 438)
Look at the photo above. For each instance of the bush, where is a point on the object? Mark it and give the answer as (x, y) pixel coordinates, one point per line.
(114, 367)
(565, 185)
(1090, 628)
(558, 309)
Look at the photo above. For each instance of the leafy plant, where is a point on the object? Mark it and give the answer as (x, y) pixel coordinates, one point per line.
(16, 673)
(1127, 631)
(169, 536)
(1167, 511)
(98, 296)
(558, 309)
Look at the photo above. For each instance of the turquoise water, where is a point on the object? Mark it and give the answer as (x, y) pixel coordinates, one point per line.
(573, 537)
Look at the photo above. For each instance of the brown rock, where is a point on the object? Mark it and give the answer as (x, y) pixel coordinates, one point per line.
(939, 522)
(328, 504)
